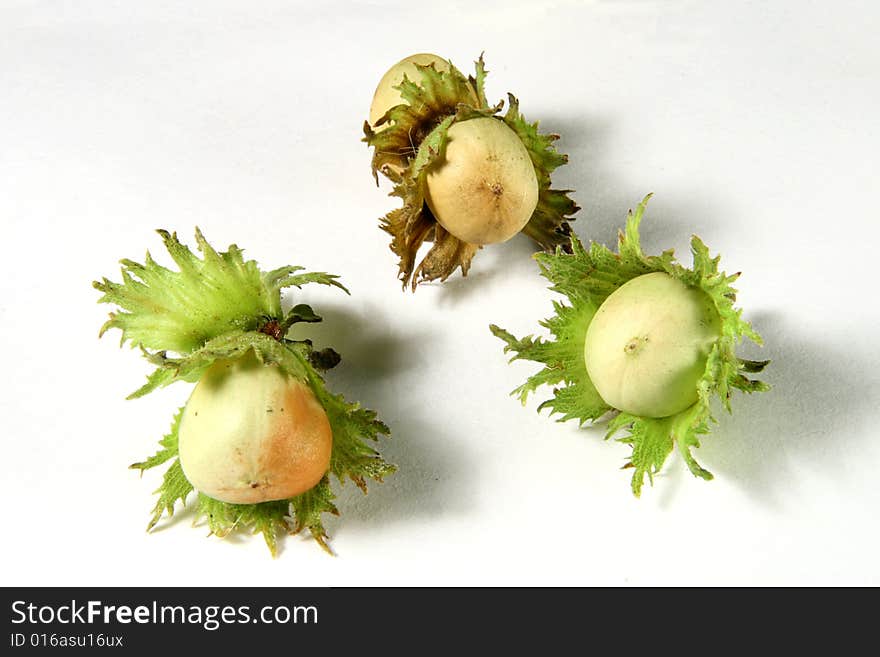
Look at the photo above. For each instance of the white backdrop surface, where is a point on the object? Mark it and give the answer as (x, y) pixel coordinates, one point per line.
(755, 125)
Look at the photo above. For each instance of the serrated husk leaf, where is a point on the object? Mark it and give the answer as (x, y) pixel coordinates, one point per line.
(266, 518)
(179, 311)
(428, 101)
(168, 443)
(183, 326)
(586, 277)
(413, 224)
(308, 509)
(288, 356)
(413, 137)
(549, 225)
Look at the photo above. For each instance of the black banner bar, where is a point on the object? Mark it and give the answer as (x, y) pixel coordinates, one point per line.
(403, 620)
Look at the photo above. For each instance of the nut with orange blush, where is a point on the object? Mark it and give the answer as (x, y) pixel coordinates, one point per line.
(251, 433)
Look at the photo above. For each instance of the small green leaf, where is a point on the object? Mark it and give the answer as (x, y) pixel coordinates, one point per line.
(319, 277)
(301, 313)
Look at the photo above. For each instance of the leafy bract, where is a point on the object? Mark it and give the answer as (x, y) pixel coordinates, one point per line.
(548, 225)
(427, 102)
(267, 518)
(411, 137)
(586, 277)
(167, 310)
(223, 307)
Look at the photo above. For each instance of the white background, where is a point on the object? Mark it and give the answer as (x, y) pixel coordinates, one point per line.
(756, 126)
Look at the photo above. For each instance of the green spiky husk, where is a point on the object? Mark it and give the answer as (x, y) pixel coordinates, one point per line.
(221, 307)
(586, 277)
(411, 137)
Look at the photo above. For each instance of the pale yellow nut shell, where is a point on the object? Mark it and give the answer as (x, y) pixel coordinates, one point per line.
(250, 433)
(485, 189)
(387, 96)
(647, 345)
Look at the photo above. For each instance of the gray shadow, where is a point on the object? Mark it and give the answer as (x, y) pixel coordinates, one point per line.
(372, 348)
(492, 264)
(433, 479)
(458, 289)
(605, 198)
(667, 483)
(380, 366)
(808, 423)
(587, 135)
(602, 199)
